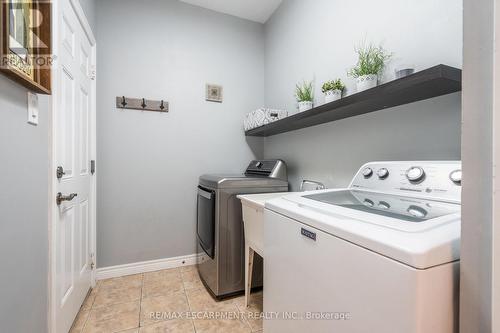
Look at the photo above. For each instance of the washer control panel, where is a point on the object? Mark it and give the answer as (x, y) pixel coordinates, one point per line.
(383, 173)
(428, 179)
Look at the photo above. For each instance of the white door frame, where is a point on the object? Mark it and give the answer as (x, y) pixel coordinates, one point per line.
(56, 30)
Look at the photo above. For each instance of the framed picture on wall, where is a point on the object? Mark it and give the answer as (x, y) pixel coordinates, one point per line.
(213, 93)
(20, 46)
(25, 43)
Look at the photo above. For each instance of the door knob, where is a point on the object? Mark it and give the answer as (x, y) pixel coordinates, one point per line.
(60, 198)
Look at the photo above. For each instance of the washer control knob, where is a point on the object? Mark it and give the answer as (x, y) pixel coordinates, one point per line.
(259, 164)
(383, 173)
(417, 212)
(369, 203)
(384, 205)
(415, 174)
(456, 177)
(367, 172)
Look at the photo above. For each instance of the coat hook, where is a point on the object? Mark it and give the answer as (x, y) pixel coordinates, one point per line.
(143, 103)
(162, 107)
(124, 103)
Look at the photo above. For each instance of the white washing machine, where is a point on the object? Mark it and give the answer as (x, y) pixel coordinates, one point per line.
(379, 256)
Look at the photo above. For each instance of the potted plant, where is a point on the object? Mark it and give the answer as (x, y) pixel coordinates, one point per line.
(333, 90)
(305, 94)
(371, 63)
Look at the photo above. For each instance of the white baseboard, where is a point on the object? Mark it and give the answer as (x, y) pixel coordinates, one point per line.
(146, 266)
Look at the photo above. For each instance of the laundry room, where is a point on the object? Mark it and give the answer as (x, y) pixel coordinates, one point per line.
(249, 166)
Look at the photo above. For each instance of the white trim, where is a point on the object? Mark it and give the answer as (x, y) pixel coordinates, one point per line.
(83, 20)
(93, 156)
(52, 306)
(146, 266)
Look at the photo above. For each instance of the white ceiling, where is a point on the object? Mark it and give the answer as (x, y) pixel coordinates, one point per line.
(254, 10)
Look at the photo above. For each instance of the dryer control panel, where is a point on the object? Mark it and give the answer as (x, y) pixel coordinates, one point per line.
(428, 179)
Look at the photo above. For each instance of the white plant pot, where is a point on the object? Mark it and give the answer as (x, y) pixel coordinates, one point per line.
(304, 106)
(366, 82)
(333, 95)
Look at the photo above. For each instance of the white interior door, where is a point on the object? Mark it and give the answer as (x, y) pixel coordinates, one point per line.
(73, 139)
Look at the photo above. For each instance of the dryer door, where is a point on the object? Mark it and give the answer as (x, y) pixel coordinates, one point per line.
(206, 220)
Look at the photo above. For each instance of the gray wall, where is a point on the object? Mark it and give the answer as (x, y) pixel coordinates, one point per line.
(477, 151)
(315, 39)
(149, 163)
(23, 213)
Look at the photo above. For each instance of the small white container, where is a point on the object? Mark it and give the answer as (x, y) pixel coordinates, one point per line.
(333, 95)
(304, 106)
(365, 82)
(262, 116)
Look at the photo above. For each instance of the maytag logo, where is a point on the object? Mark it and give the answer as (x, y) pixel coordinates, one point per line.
(308, 234)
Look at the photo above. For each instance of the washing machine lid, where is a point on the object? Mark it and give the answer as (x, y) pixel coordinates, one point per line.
(402, 208)
(223, 181)
(420, 242)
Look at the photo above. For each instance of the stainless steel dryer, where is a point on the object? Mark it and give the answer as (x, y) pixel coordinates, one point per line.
(220, 224)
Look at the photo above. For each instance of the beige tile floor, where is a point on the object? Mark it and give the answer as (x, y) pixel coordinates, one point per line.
(173, 301)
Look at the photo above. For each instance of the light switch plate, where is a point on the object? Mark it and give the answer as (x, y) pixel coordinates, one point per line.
(32, 108)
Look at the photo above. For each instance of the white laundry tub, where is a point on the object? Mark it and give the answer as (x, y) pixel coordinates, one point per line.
(253, 219)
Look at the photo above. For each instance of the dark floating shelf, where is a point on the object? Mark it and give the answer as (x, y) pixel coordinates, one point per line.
(432, 82)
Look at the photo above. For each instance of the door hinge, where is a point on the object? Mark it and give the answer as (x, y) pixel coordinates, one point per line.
(60, 172)
(93, 72)
(92, 167)
(92, 264)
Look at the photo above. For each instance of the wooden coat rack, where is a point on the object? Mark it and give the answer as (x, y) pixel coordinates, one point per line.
(142, 104)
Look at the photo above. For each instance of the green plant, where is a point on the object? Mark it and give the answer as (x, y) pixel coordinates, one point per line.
(333, 85)
(304, 92)
(371, 60)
